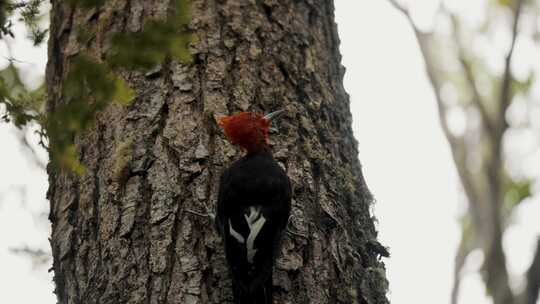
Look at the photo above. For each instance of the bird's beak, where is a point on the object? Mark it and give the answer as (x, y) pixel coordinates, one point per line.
(273, 115)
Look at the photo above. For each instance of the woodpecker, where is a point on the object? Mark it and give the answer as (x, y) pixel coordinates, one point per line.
(253, 208)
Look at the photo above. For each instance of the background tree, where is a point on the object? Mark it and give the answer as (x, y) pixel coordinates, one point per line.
(122, 176)
(484, 102)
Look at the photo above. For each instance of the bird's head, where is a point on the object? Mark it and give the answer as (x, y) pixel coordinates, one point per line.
(248, 130)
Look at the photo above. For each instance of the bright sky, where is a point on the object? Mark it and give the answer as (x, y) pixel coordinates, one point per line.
(406, 161)
(405, 157)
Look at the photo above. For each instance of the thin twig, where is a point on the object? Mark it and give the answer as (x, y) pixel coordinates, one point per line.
(400, 8)
(207, 215)
(507, 76)
(467, 68)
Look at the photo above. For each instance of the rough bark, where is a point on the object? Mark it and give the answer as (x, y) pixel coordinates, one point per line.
(121, 233)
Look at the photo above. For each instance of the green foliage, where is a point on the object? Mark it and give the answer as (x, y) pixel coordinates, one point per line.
(523, 86)
(6, 11)
(88, 77)
(21, 105)
(504, 2)
(89, 85)
(469, 241)
(123, 94)
(88, 89)
(515, 192)
(157, 41)
(138, 50)
(83, 34)
(30, 15)
(122, 157)
(181, 15)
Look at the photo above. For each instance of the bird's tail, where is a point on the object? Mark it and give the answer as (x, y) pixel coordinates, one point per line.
(254, 294)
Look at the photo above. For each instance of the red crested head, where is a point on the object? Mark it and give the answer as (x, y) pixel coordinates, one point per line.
(248, 130)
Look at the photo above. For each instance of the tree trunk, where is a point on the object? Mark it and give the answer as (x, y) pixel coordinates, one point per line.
(121, 233)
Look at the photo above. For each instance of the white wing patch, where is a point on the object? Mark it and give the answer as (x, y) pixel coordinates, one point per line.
(255, 221)
(235, 234)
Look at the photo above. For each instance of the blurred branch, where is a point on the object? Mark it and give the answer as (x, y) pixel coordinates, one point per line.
(402, 9)
(38, 256)
(533, 279)
(496, 273)
(422, 39)
(467, 68)
(507, 76)
(485, 210)
(457, 144)
(461, 256)
(31, 151)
